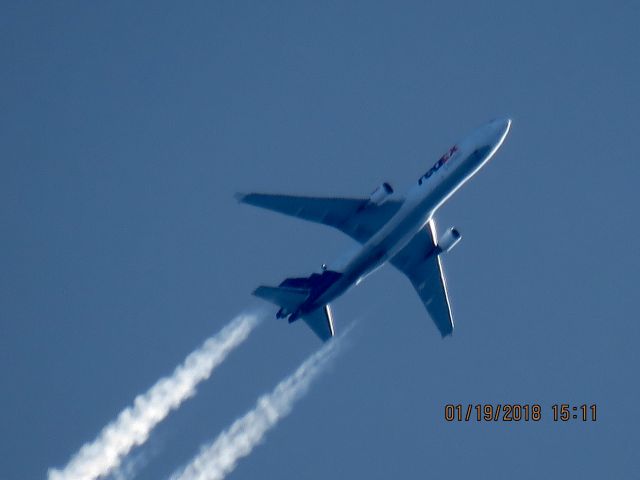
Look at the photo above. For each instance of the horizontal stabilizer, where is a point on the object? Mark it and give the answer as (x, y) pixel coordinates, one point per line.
(321, 322)
(288, 298)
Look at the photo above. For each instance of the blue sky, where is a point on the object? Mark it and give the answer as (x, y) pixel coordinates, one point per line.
(127, 128)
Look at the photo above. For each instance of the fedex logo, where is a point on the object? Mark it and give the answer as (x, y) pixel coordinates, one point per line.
(439, 163)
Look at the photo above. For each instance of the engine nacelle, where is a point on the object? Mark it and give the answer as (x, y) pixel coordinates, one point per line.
(449, 239)
(381, 194)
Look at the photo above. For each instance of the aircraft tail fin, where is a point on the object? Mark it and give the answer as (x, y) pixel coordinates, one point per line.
(292, 293)
(289, 300)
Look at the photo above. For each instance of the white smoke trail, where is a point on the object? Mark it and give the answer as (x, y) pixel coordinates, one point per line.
(130, 467)
(219, 458)
(133, 425)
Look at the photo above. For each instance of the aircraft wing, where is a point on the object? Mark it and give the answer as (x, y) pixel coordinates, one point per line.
(357, 217)
(420, 262)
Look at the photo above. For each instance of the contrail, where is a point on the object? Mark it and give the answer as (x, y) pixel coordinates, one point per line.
(133, 425)
(219, 458)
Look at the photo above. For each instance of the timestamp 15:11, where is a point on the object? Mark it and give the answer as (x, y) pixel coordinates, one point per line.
(565, 412)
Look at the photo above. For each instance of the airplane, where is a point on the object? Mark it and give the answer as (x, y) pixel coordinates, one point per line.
(400, 231)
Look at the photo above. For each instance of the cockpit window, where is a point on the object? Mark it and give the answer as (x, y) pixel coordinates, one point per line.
(481, 153)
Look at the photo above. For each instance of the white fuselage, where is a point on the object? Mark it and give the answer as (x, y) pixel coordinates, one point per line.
(448, 174)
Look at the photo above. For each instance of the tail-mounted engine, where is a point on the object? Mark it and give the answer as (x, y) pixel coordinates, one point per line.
(449, 239)
(381, 194)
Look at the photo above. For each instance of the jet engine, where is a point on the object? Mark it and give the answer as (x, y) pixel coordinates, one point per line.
(449, 239)
(381, 194)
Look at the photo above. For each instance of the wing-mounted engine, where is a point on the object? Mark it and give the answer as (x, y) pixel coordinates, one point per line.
(381, 194)
(448, 240)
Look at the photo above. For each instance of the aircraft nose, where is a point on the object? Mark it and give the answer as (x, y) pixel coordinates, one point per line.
(500, 128)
